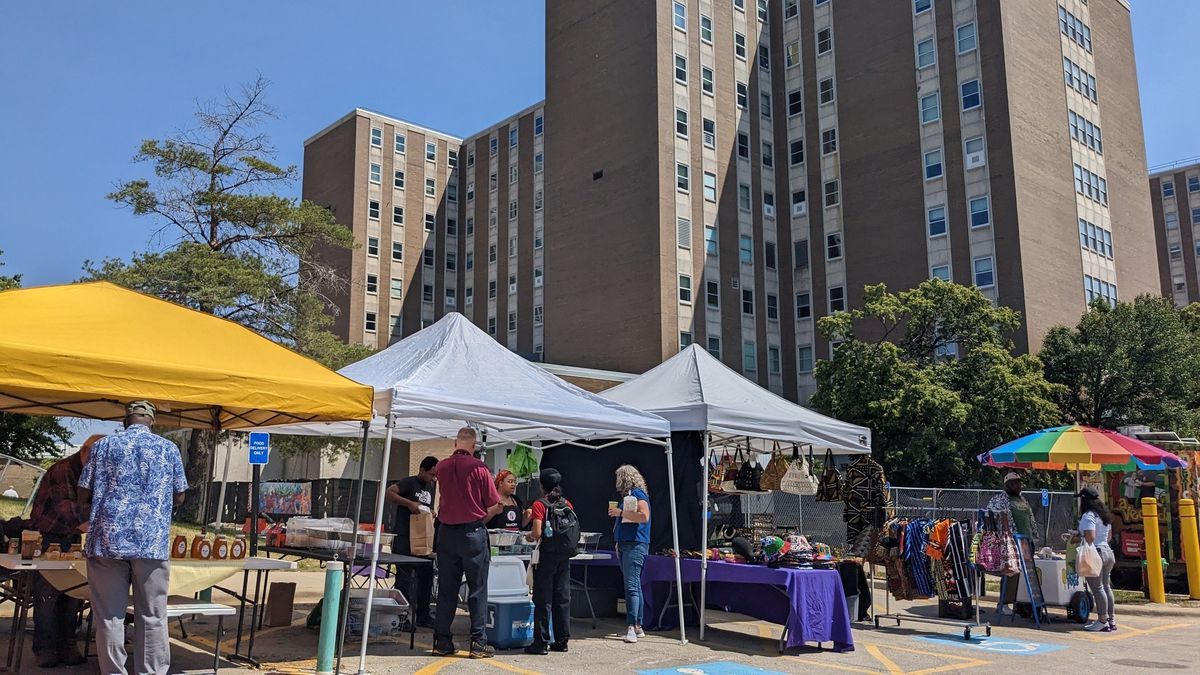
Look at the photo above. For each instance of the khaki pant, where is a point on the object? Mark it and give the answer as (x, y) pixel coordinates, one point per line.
(108, 582)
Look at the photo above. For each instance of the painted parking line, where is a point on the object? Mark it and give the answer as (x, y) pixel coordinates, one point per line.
(888, 665)
(1124, 632)
(712, 668)
(992, 645)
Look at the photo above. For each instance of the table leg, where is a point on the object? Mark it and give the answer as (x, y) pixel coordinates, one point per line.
(266, 583)
(237, 645)
(217, 644)
(341, 629)
(254, 613)
(18, 591)
(587, 593)
(23, 609)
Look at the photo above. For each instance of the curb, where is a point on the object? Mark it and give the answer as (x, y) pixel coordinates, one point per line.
(1151, 610)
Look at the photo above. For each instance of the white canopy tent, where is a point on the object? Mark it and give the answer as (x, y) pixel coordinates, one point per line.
(451, 375)
(696, 392)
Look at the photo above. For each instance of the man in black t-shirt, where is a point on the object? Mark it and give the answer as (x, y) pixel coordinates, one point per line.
(409, 495)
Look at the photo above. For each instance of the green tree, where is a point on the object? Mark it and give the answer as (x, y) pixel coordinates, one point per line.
(1135, 363)
(240, 249)
(931, 373)
(28, 436)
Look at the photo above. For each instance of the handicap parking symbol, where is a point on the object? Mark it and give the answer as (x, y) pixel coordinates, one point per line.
(712, 668)
(994, 645)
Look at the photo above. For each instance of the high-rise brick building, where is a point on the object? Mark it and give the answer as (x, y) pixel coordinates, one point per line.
(1175, 196)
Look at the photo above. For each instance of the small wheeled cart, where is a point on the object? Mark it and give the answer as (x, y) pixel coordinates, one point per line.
(1060, 587)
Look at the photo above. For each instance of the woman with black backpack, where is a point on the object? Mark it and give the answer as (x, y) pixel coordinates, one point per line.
(555, 527)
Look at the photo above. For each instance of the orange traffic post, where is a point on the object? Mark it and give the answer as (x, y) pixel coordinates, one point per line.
(1191, 545)
(1154, 571)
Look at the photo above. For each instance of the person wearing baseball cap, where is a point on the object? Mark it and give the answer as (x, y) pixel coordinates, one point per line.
(1095, 526)
(130, 483)
(1012, 502)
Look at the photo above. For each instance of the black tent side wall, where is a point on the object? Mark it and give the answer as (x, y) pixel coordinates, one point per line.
(588, 481)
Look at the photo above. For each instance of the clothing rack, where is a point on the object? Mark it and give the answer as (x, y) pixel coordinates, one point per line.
(967, 627)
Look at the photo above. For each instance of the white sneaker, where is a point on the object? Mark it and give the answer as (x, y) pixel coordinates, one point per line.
(1004, 610)
(1096, 626)
(631, 635)
(640, 633)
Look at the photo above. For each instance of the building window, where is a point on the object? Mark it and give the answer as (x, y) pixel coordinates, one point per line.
(804, 359)
(492, 289)
(746, 249)
(468, 296)
(1171, 220)
(764, 58)
(538, 125)
(681, 16)
(1095, 239)
(369, 317)
(680, 69)
(398, 180)
(769, 206)
(749, 357)
(512, 137)
(803, 305)
(744, 197)
(768, 154)
(427, 257)
(373, 210)
(493, 146)
(512, 284)
(513, 174)
(376, 173)
(773, 360)
(706, 29)
(824, 41)
(470, 191)
(452, 192)
(710, 186)
(772, 307)
(397, 251)
(451, 262)
(373, 246)
(799, 202)
(940, 272)
(933, 164)
(401, 143)
(984, 276)
(791, 54)
(470, 225)
(376, 142)
(469, 261)
(685, 339)
(714, 346)
(372, 284)
(537, 238)
(762, 10)
(971, 97)
(837, 299)
(430, 221)
(764, 105)
(832, 196)
(539, 163)
(936, 217)
(800, 253)
(829, 141)
(796, 152)
(1095, 188)
(682, 181)
(743, 145)
(1193, 183)
(833, 246)
(739, 45)
(538, 277)
(980, 213)
(1168, 188)
(431, 152)
(769, 255)
(748, 302)
(683, 233)
(538, 200)
(974, 152)
(512, 322)
(470, 157)
(491, 253)
(931, 110)
(712, 294)
(397, 289)
(706, 80)
(710, 133)
(1085, 131)
(966, 37)
(397, 215)
(825, 90)
(685, 289)
(538, 314)
(710, 239)
(430, 187)
(743, 95)
(1074, 28)
(791, 9)
(681, 123)
(491, 326)
(1080, 80)
(926, 55)
(452, 159)
(920, 6)
(1095, 288)
(512, 209)
(451, 297)
(493, 182)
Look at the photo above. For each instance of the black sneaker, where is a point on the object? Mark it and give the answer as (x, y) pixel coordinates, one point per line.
(443, 648)
(481, 650)
(537, 650)
(427, 622)
(559, 646)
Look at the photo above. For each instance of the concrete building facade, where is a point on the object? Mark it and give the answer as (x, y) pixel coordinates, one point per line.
(1175, 196)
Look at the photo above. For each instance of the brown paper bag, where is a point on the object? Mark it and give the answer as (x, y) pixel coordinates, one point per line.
(420, 533)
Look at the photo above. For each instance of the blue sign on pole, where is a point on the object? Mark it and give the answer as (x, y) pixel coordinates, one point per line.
(1045, 497)
(260, 447)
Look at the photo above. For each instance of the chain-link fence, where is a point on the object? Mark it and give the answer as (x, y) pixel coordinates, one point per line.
(1053, 512)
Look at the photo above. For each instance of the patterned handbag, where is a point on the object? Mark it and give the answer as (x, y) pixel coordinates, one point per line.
(772, 476)
(798, 480)
(716, 472)
(730, 480)
(829, 489)
(745, 476)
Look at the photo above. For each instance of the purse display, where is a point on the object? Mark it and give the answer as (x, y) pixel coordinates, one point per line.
(746, 475)
(772, 476)
(829, 489)
(798, 479)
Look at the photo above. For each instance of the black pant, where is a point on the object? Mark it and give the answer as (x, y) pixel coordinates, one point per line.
(417, 584)
(55, 614)
(551, 599)
(462, 549)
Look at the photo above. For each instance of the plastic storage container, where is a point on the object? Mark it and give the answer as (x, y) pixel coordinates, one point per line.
(510, 612)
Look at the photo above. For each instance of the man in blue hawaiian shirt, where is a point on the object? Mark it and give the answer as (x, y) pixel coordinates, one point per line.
(130, 484)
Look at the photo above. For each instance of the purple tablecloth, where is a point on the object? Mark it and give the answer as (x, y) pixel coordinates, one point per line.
(809, 603)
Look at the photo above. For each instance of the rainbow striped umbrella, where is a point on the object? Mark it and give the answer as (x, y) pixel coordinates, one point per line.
(1082, 448)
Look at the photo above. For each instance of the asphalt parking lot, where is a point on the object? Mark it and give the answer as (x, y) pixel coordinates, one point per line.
(1149, 638)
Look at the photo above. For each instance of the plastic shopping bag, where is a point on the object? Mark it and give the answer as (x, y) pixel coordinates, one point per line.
(1087, 560)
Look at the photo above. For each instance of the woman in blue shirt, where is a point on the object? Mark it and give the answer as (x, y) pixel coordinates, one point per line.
(632, 534)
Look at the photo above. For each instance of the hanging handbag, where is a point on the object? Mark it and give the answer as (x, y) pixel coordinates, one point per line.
(798, 480)
(716, 472)
(829, 489)
(772, 476)
(730, 479)
(745, 477)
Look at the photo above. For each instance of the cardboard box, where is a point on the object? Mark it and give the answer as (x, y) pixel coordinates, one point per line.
(281, 597)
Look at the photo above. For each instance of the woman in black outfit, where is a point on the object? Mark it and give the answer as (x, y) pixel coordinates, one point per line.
(508, 513)
(551, 568)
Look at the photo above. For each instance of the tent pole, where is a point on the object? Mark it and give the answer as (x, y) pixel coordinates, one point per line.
(383, 473)
(675, 542)
(704, 534)
(362, 463)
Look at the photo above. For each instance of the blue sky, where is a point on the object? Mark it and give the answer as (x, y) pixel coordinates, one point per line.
(84, 83)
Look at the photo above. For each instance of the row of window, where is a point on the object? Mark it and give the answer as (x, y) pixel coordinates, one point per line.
(1171, 218)
(1096, 288)
(401, 146)
(965, 40)
(931, 108)
(983, 269)
(430, 219)
(375, 175)
(1085, 132)
(979, 216)
(1095, 239)
(1074, 28)
(1079, 79)
(1168, 186)
(1091, 185)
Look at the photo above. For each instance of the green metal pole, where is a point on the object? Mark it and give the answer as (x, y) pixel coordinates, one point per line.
(327, 640)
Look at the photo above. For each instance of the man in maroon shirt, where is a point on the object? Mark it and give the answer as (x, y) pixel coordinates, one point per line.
(462, 546)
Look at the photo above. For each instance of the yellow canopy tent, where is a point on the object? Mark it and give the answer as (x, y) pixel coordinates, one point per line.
(84, 350)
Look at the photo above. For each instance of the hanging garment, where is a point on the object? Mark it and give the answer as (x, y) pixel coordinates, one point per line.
(916, 535)
(864, 492)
